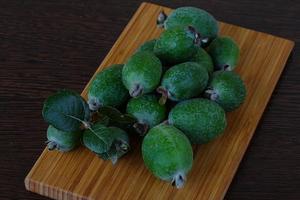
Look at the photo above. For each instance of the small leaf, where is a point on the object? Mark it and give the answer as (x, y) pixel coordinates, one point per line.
(66, 110)
(98, 138)
(116, 116)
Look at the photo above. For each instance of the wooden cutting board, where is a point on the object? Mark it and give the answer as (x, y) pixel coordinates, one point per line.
(80, 174)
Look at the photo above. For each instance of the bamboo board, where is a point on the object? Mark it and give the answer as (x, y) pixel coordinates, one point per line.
(82, 175)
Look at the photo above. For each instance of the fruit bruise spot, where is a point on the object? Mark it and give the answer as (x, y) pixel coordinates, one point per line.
(161, 19)
(136, 91)
(141, 128)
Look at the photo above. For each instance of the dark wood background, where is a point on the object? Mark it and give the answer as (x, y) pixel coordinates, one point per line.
(49, 45)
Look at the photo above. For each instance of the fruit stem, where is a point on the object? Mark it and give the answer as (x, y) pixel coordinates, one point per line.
(141, 128)
(51, 145)
(136, 91)
(164, 95)
(179, 180)
(161, 19)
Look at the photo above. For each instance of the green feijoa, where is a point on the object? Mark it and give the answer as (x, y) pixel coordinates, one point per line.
(176, 45)
(61, 140)
(183, 81)
(168, 154)
(147, 46)
(224, 52)
(204, 59)
(227, 89)
(66, 110)
(147, 111)
(141, 74)
(107, 88)
(201, 120)
(201, 20)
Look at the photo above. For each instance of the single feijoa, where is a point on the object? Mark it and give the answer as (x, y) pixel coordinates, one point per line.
(224, 52)
(204, 23)
(183, 81)
(202, 120)
(176, 45)
(168, 154)
(61, 140)
(227, 89)
(107, 88)
(141, 74)
(147, 111)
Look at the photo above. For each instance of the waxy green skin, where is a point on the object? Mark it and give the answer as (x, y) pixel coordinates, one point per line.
(147, 46)
(224, 52)
(201, 120)
(184, 81)
(107, 88)
(203, 58)
(167, 152)
(201, 20)
(228, 90)
(175, 45)
(61, 140)
(147, 110)
(142, 69)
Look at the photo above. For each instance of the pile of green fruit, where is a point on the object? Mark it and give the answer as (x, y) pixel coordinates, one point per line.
(173, 92)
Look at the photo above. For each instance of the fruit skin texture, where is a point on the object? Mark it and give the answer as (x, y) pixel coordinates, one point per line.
(224, 52)
(141, 74)
(61, 140)
(175, 45)
(167, 153)
(227, 89)
(147, 46)
(203, 58)
(201, 20)
(184, 81)
(201, 120)
(147, 110)
(107, 88)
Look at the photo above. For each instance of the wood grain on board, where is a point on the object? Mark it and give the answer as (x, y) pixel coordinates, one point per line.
(80, 174)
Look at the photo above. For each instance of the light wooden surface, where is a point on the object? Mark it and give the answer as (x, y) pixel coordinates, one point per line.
(82, 175)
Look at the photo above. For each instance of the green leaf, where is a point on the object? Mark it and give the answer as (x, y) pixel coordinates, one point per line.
(98, 138)
(66, 110)
(116, 116)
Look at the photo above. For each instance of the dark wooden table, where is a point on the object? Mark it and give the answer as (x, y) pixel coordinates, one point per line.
(49, 45)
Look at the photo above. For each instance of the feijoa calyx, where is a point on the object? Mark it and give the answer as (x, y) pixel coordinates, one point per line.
(61, 140)
(227, 89)
(183, 81)
(177, 45)
(107, 88)
(168, 154)
(204, 23)
(202, 120)
(224, 52)
(141, 74)
(147, 111)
